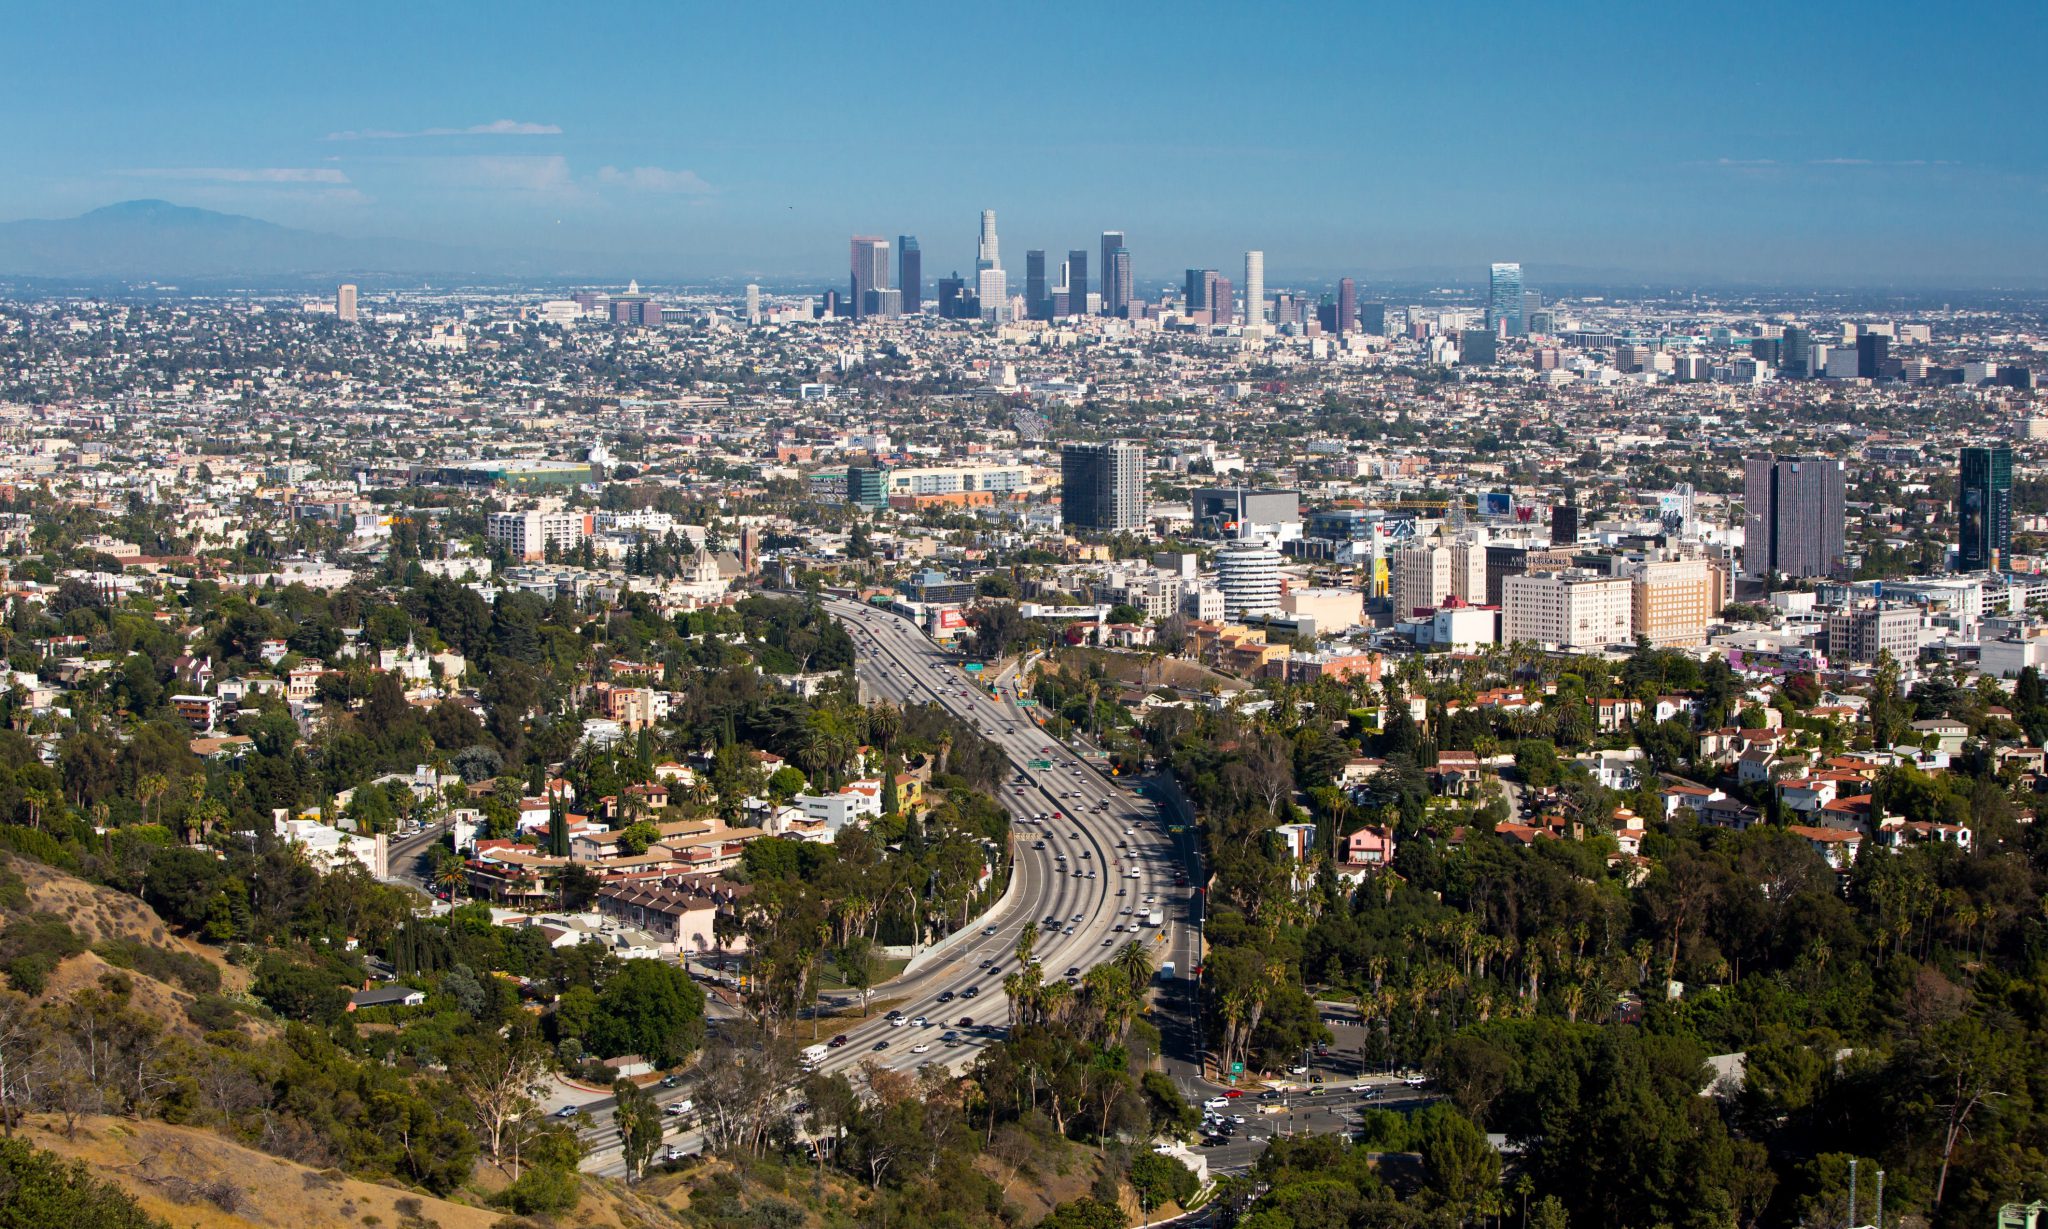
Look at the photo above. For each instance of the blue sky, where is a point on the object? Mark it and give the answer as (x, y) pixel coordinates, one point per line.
(1880, 142)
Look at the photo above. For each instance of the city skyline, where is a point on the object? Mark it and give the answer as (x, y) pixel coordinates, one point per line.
(1906, 164)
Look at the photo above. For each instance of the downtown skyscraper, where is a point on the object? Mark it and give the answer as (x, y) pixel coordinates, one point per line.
(1347, 305)
(910, 274)
(1504, 298)
(1254, 294)
(1037, 295)
(1116, 274)
(992, 286)
(1077, 282)
(870, 271)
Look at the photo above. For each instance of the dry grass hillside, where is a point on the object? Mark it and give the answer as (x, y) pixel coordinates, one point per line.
(120, 933)
(194, 1179)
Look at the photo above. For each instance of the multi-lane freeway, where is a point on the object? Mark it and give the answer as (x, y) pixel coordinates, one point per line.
(1106, 864)
(1091, 860)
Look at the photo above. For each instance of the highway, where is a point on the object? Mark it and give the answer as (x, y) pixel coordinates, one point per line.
(896, 661)
(1105, 855)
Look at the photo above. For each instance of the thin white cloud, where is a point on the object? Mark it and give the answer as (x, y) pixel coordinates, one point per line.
(496, 128)
(1881, 162)
(242, 174)
(535, 173)
(654, 179)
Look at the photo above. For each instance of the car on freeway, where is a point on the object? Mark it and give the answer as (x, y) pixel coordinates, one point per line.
(893, 1015)
(921, 1047)
(1214, 1103)
(1073, 971)
(970, 992)
(837, 1041)
(945, 996)
(1415, 1081)
(917, 1022)
(1109, 942)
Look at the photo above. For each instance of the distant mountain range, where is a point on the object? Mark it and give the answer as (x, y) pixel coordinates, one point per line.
(153, 240)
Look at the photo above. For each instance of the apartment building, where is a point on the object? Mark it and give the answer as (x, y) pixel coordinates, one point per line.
(1568, 609)
(527, 535)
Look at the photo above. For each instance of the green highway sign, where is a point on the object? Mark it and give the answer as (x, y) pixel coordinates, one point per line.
(1236, 1068)
(1026, 702)
(1040, 765)
(973, 667)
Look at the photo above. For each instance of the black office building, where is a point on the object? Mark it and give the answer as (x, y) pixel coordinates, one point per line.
(1037, 300)
(1372, 318)
(1873, 351)
(1195, 290)
(1564, 525)
(1984, 509)
(953, 299)
(1077, 282)
(910, 274)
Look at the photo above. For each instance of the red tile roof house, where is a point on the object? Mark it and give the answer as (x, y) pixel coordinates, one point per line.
(1679, 794)
(1838, 848)
(1456, 773)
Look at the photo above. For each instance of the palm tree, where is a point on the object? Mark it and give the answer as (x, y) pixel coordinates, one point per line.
(1027, 942)
(151, 789)
(1135, 964)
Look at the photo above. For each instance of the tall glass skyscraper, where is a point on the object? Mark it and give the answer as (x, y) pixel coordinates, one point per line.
(1102, 486)
(1254, 293)
(1077, 282)
(870, 269)
(1504, 298)
(910, 274)
(1984, 509)
(1037, 297)
(1116, 288)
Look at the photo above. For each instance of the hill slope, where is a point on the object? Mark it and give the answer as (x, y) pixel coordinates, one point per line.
(157, 240)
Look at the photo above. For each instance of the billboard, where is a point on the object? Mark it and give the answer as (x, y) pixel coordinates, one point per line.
(952, 620)
(1497, 503)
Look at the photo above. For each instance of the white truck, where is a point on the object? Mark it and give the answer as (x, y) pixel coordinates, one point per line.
(1156, 918)
(812, 1055)
(1166, 971)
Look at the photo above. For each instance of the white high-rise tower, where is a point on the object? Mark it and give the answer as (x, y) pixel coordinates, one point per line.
(990, 283)
(986, 256)
(1254, 294)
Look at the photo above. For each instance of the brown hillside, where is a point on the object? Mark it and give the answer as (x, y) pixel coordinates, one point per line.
(103, 916)
(194, 1179)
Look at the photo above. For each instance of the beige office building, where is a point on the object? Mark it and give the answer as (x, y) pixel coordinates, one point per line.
(1675, 600)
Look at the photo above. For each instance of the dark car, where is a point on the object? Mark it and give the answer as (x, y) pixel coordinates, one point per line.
(880, 1046)
(1074, 970)
(966, 1021)
(838, 1041)
(945, 996)
(970, 992)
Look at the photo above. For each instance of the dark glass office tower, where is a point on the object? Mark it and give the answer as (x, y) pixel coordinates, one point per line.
(1077, 282)
(910, 274)
(1116, 284)
(1115, 295)
(1984, 509)
(1347, 305)
(1102, 486)
(1194, 289)
(1037, 299)
(1872, 349)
